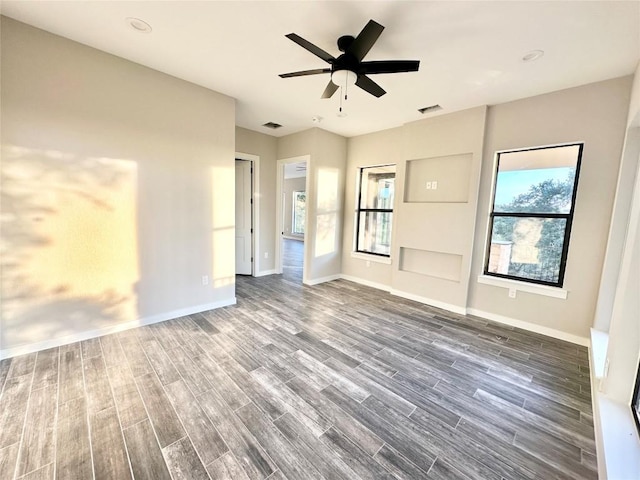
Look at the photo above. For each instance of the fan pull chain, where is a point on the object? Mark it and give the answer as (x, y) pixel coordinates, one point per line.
(340, 109)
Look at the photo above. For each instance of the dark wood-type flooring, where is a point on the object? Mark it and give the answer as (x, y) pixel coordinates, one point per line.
(335, 381)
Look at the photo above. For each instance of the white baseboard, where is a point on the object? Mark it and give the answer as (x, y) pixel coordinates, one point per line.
(264, 273)
(366, 283)
(293, 237)
(316, 281)
(532, 327)
(77, 337)
(429, 301)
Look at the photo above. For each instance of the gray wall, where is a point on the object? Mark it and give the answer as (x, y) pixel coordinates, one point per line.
(455, 232)
(117, 182)
(263, 146)
(595, 114)
(325, 197)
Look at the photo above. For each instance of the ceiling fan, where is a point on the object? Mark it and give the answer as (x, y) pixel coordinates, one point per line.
(349, 68)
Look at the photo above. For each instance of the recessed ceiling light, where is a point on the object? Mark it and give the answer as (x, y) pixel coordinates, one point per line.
(532, 55)
(139, 25)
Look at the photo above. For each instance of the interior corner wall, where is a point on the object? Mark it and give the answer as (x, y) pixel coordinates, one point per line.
(325, 198)
(116, 186)
(265, 147)
(595, 114)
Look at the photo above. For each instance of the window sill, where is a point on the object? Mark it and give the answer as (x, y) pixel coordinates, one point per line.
(544, 290)
(372, 258)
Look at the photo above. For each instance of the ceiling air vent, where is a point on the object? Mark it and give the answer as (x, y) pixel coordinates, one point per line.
(272, 125)
(430, 109)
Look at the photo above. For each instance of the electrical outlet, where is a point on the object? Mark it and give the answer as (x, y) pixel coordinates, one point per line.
(205, 280)
(434, 185)
(512, 293)
(428, 185)
(266, 254)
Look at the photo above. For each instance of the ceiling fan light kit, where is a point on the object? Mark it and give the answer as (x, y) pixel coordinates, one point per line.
(348, 68)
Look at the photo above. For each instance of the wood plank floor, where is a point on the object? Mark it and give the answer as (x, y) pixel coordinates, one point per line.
(335, 381)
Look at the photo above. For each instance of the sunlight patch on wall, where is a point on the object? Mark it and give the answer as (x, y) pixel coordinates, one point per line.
(69, 243)
(224, 217)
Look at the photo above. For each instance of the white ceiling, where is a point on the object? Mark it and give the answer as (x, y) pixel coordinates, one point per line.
(295, 170)
(470, 52)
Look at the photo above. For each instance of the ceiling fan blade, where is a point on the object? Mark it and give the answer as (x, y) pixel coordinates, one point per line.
(365, 40)
(305, 72)
(307, 45)
(330, 90)
(370, 86)
(390, 66)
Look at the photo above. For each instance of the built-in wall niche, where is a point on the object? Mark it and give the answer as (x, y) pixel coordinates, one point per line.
(446, 266)
(438, 179)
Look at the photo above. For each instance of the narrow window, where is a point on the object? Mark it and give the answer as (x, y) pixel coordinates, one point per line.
(635, 400)
(531, 215)
(299, 203)
(374, 213)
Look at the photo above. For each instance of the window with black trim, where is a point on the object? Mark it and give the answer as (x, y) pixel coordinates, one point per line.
(635, 401)
(374, 213)
(533, 203)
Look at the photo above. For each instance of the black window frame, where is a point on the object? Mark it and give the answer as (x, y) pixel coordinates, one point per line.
(360, 210)
(567, 216)
(635, 399)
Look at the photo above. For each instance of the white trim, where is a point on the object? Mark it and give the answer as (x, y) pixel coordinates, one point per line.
(316, 281)
(255, 210)
(371, 258)
(366, 283)
(266, 272)
(299, 238)
(509, 284)
(77, 337)
(428, 301)
(532, 327)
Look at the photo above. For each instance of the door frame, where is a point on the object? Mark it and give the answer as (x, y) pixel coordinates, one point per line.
(255, 208)
(280, 212)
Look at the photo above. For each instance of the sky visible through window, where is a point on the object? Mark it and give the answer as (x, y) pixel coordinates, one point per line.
(516, 182)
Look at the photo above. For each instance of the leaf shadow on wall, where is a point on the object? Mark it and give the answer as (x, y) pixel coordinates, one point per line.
(68, 242)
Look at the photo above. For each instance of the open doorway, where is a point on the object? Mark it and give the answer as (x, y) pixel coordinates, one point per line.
(244, 217)
(292, 218)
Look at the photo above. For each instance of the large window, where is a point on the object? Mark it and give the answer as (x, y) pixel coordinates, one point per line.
(530, 225)
(374, 213)
(299, 202)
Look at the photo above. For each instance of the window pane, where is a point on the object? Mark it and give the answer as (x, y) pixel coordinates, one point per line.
(536, 181)
(375, 232)
(530, 248)
(299, 201)
(377, 187)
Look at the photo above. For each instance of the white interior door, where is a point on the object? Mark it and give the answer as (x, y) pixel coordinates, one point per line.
(243, 217)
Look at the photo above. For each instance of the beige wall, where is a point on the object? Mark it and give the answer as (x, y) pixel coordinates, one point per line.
(116, 187)
(325, 198)
(378, 148)
(264, 147)
(595, 114)
(291, 185)
(439, 234)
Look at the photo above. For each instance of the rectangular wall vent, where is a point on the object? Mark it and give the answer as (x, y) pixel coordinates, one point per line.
(432, 108)
(272, 125)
